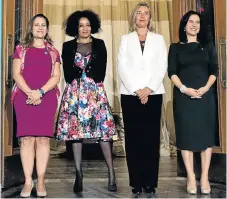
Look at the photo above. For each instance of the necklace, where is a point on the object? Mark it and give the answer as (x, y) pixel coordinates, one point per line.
(39, 46)
(84, 41)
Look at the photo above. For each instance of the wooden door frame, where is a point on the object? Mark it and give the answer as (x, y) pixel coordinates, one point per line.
(6, 146)
(5, 138)
(6, 142)
(178, 9)
(220, 32)
(1, 36)
(35, 7)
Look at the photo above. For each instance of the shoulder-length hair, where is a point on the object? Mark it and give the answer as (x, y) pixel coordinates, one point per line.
(27, 41)
(202, 36)
(132, 21)
(71, 24)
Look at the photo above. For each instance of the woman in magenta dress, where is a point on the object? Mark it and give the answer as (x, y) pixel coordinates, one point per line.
(36, 71)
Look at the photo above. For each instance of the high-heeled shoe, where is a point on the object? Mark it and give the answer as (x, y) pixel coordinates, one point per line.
(137, 190)
(26, 194)
(149, 189)
(78, 185)
(206, 190)
(41, 193)
(112, 186)
(191, 190)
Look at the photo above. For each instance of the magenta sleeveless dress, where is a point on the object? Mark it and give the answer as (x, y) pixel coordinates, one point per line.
(37, 121)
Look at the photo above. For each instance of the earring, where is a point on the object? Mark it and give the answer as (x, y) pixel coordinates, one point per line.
(184, 30)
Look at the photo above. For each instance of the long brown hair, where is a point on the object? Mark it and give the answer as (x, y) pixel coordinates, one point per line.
(132, 22)
(27, 41)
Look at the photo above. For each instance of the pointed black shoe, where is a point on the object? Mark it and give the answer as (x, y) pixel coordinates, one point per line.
(78, 185)
(149, 189)
(112, 187)
(137, 190)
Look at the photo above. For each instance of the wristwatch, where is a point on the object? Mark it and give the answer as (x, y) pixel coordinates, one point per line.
(41, 92)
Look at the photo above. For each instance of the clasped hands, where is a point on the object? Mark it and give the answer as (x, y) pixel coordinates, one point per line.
(143, 94)
(196, 93)
(34, 97)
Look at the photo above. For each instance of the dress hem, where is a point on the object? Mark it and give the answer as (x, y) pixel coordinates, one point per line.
(197, 150)
(85, 139)
(21, 136)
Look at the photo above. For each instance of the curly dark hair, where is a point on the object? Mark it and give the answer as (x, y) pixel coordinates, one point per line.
(202, 36)
(71, 24)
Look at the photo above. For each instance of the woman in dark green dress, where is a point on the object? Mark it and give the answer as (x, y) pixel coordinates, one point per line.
(193, 68)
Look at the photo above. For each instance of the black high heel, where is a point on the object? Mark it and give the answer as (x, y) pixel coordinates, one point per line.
(112, 186)
(137, 190)
(78, 185)
(149, 189)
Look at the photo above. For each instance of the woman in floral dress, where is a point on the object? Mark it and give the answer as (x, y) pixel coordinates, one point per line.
(85, 112)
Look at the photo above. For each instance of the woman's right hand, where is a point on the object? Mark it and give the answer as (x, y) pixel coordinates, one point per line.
(191, 92)
(33, 96)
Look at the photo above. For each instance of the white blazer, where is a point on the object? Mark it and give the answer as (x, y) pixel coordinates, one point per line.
(138, 70)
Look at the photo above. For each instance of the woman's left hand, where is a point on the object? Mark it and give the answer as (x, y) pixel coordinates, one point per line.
(37, 102)
(33, 96)
(144, 101)
(201, 91)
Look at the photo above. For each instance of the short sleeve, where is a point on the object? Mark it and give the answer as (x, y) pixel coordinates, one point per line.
(16, 53)
(172, 60)
(213, 62)
(58, 59)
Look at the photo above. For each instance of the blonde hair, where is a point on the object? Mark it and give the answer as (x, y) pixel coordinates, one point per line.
(132, 22)
(28, 39)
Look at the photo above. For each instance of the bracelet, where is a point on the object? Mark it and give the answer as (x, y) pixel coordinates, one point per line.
(41, 92)
(183, 88)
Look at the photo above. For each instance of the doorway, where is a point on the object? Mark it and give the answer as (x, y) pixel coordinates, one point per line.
(16, 14)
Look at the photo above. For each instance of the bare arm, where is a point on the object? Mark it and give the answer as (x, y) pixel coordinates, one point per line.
(188, 91)
(210, 82)
(19, 78)
(176, 81)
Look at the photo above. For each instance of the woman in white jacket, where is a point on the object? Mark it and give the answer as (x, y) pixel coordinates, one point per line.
(142, 64)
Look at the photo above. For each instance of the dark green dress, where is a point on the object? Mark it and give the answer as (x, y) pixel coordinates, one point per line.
(196, 120)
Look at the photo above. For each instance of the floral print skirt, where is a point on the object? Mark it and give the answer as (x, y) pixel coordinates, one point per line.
(85, 112)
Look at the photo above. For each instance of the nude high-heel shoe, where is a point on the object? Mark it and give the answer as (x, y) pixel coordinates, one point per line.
(206, 190)
(190, 190)
(26, 194)
(41, 193)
